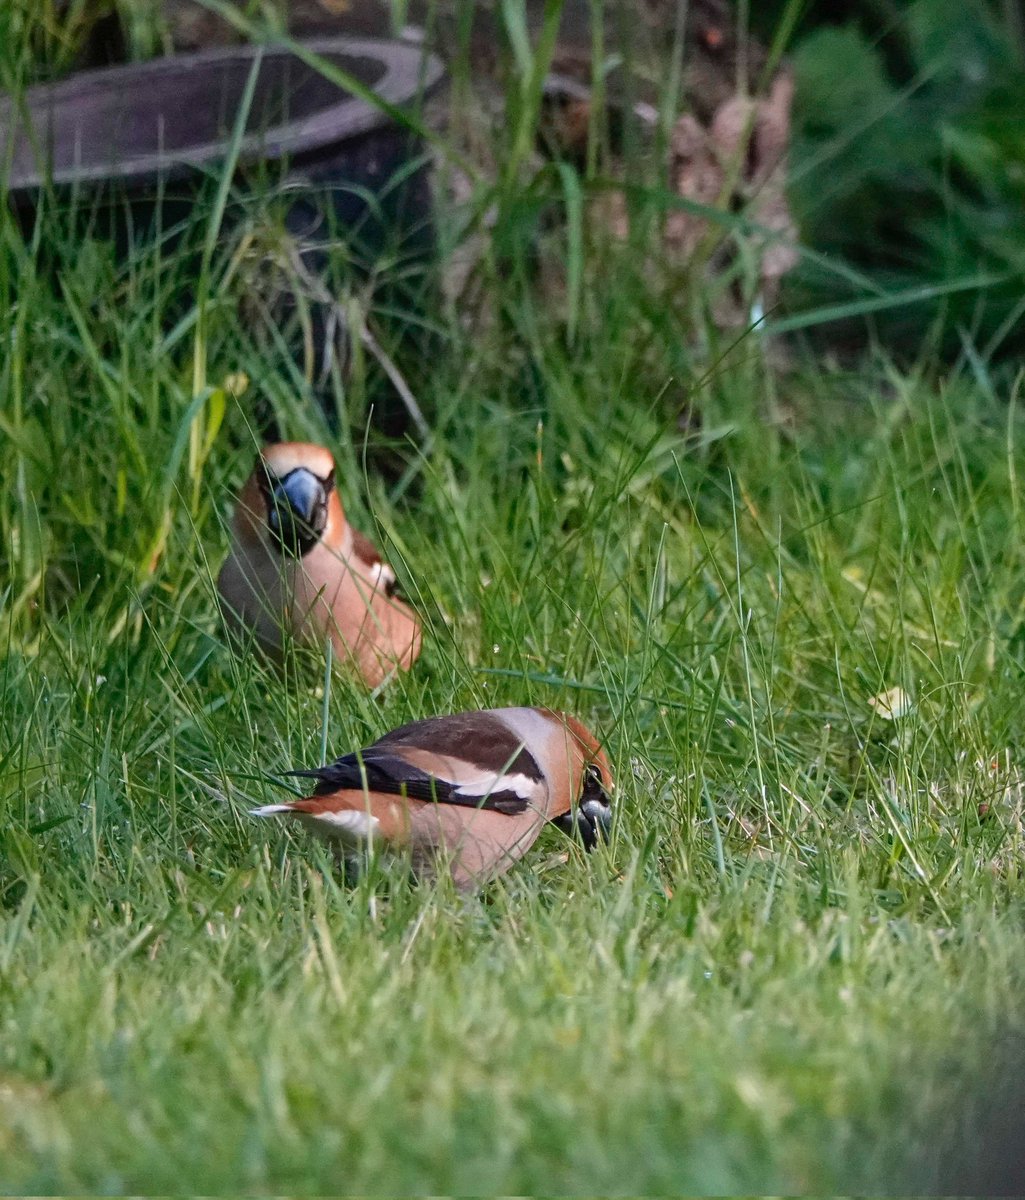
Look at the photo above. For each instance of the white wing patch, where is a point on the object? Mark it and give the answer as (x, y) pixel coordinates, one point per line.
(382, 576)
(478, 784)
(347, 823)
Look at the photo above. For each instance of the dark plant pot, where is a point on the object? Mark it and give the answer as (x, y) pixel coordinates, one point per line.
(147, 124)
(133, 147)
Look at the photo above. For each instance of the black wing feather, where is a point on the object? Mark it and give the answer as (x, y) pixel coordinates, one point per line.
(379, 771)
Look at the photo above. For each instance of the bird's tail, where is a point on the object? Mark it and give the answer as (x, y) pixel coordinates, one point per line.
(270, 810)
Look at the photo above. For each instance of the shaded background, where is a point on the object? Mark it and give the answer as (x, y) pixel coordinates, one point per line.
(906, 153)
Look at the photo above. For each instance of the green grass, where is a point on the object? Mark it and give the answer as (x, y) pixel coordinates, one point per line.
(798, 964)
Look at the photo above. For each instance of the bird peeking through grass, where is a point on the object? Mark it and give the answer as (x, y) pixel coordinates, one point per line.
(468, 792)
(296, 566)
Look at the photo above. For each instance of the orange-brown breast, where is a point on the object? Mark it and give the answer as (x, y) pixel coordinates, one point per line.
(334, 597)
(476, 844)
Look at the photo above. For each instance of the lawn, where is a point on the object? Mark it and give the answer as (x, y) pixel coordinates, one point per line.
(797, 966)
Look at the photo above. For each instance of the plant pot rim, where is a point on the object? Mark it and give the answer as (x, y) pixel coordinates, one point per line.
(408, 71)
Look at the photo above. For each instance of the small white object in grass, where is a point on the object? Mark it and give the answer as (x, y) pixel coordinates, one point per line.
(236, 383)
(892, 705)
(495, 648)
(757, 312)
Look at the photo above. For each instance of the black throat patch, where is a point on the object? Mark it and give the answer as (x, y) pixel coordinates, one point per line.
(296, 509)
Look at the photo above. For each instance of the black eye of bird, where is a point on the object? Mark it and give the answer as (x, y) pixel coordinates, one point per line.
(593, 788)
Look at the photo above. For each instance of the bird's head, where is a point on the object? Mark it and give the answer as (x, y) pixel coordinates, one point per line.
(593, 816)
(296, 481)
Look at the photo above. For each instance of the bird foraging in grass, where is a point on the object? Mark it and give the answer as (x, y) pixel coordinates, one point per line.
(296, 565)
(469, 791)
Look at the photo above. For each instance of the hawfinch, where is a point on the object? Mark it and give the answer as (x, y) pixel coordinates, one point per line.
(470, 791)
(296, 563)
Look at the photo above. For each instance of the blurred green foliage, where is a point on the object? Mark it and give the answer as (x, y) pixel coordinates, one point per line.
(908, 161)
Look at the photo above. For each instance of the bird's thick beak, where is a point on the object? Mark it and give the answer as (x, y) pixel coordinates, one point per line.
(599, 814)
(297, 511)
(591, 820)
